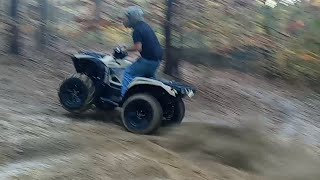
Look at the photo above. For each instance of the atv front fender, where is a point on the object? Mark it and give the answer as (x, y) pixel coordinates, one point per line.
(151, 82)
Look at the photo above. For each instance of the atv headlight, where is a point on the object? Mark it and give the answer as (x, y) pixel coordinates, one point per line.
(190, 93)
(175, 91)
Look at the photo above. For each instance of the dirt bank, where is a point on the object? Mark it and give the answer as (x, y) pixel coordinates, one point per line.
(238, 127)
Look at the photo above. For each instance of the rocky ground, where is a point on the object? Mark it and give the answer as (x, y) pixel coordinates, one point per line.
(237, 127)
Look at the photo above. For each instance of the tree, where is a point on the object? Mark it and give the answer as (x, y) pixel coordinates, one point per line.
(43, 23)
(171, 66)
(14, 37)
(94, 21)
(97, 9)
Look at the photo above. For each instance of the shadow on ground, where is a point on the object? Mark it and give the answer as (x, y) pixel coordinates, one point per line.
(113, 117)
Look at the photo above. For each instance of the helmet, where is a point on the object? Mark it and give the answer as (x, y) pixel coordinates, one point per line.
(134, 15)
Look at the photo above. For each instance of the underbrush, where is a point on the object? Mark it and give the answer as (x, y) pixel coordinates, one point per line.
(293, 67)
(294, 70)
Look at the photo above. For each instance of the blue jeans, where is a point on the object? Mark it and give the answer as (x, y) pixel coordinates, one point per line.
(140, 68)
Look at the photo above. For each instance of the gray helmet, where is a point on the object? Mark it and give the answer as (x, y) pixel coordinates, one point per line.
(135, 15)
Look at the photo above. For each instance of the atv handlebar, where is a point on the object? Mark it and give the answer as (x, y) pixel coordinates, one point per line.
(119, 53)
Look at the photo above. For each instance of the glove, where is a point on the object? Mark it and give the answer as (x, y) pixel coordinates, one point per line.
(123, 48)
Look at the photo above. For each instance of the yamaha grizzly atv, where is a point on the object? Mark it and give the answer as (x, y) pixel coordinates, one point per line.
(148, 103)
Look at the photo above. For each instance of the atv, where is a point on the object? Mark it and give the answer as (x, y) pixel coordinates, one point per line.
(148, 103)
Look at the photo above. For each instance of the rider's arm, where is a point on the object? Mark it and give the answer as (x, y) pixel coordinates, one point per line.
(136, 47)
(137, 39)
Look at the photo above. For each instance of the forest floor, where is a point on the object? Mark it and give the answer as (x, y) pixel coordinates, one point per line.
(237, 127)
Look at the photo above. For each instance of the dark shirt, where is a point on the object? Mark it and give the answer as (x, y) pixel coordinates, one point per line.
(151, 48)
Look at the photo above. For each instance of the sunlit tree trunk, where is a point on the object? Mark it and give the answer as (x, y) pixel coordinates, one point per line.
(14, 37)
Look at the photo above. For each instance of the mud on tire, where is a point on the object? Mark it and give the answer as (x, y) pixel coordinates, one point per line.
(141, 114)
(76, 93)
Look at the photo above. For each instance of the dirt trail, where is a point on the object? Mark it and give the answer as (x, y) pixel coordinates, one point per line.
(255, 131)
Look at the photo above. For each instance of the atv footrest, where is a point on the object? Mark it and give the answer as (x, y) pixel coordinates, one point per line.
(113, 102)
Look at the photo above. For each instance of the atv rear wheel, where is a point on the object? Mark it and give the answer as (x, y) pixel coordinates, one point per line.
(174, 112)
(76, 93)
(142, 114)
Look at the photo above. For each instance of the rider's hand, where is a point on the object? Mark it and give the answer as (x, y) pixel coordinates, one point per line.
(123, 47)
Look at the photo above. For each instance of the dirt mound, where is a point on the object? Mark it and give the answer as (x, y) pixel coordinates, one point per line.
(44, 149)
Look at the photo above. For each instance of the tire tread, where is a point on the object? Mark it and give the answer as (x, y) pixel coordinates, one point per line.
(157, 113)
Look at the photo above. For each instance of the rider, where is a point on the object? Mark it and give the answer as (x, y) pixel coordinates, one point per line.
(145, 42)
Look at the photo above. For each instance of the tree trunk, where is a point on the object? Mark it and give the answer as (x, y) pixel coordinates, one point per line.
(97, 20)
(14, 37)
(43, 24)
(171, 66)
(97, 9)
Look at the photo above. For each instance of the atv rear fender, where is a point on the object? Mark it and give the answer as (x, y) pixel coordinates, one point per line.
(89, 65)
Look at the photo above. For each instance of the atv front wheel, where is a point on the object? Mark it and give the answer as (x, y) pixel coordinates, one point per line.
(142, 114)
(76, 93)
(174, 112)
